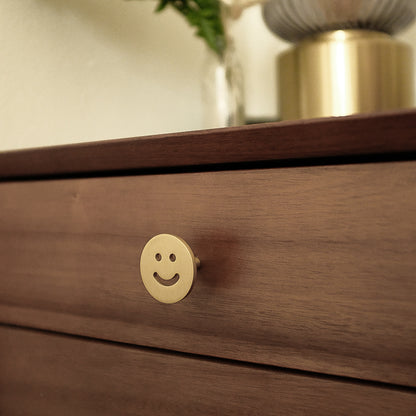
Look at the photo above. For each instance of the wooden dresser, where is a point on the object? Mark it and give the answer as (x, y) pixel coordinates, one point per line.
(305, 302)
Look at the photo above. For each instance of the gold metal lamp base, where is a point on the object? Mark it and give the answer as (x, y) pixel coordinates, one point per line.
(344, 72)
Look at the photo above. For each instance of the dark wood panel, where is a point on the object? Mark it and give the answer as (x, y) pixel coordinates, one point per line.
(309, 268)
(54, 375)
(393, 132)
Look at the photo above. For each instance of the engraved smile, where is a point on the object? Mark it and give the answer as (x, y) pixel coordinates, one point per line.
(164, 282)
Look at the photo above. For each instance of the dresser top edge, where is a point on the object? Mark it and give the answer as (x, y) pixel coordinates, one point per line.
(388, 133)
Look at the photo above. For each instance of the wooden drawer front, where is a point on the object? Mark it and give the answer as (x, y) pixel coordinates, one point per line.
(57, 375)
(310, 268)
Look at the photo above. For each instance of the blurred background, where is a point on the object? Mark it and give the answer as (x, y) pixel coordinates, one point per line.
(83, 70)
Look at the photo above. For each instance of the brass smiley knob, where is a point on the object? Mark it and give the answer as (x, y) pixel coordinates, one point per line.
(168, 268)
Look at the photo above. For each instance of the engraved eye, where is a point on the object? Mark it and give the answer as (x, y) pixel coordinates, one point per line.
(172, 257)
(158, 257)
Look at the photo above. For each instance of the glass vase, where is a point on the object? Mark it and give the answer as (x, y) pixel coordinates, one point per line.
(222, 89)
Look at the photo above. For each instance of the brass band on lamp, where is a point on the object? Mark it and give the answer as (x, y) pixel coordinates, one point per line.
(344, 72)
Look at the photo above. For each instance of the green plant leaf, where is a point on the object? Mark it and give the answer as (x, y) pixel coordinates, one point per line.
(162, 5)
(204, 16)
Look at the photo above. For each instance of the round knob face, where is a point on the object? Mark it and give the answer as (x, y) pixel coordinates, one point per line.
(168, 268)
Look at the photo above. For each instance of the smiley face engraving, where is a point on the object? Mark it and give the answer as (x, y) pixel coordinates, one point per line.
(166, 281)
(167, 268)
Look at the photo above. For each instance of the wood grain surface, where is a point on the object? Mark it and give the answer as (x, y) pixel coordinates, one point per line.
(310, 268)
(54, 375)
(373, 134)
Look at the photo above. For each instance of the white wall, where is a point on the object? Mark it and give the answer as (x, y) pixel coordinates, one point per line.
(82, 70)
